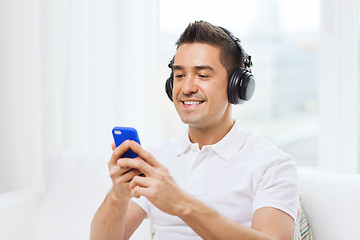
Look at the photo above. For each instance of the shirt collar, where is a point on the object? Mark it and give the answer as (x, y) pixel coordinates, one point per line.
(226, 148)
(233, 141)
(184, 142)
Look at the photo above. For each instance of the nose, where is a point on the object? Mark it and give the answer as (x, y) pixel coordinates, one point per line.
(189, 85)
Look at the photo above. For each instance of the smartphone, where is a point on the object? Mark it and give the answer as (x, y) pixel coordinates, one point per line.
(122, 134)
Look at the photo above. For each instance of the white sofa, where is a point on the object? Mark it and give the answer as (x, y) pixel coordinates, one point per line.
(77, 184)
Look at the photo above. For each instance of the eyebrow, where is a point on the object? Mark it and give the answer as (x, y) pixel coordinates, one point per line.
(201, 67)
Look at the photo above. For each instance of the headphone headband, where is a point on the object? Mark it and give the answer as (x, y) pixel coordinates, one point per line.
(246, 58)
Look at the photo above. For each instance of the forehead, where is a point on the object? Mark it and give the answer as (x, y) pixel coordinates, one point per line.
(197, 54)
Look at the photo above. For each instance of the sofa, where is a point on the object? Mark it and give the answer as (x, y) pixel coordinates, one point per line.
(77, 184)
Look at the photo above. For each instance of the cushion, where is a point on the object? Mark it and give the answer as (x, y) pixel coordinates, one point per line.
(302, 229)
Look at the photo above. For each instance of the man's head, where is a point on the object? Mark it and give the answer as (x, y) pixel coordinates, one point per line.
(237, 63)
(204, 32)
(208, 75)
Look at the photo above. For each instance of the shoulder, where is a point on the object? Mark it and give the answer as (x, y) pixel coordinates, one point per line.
(264, 147)
(263, 155)
(253, 143)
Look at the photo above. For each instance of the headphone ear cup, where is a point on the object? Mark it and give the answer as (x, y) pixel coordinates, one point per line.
(247, 86)
(169, 86)
(241, 86)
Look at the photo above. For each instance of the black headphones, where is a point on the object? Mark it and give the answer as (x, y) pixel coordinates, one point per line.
(241, 84)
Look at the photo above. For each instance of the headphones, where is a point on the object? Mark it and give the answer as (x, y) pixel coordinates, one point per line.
(241, 83)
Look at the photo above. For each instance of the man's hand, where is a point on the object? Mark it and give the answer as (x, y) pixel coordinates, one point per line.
(121, 176)
(118, 217)
(156, 185)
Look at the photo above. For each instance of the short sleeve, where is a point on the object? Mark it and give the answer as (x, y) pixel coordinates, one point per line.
(278, 187)
(144, 203)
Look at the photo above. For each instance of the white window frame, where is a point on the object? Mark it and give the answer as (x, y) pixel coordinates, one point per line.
(339, 86)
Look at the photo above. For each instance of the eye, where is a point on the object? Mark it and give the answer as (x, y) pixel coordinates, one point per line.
(203, 76)
(179, 76)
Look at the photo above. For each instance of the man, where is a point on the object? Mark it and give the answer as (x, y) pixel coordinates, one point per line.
(216, 181)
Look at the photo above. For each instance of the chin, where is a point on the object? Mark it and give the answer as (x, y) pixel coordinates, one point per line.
(188, 120)
(193, 122)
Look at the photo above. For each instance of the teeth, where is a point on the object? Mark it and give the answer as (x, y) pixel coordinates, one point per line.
(192, 102)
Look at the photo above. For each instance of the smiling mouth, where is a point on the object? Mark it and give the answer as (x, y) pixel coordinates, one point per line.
(192, 102)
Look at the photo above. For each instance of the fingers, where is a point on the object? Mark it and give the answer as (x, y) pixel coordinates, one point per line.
(138, 181)
(129, 144)
(123, 179)
(136, 163)
(129, 175)
(125, 173)
(139, 186)
(139, 191)
(119, 151)
(145, 155)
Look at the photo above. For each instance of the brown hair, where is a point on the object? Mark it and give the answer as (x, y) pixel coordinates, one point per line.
(204, 32)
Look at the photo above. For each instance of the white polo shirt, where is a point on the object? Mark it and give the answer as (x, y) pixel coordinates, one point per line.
(236, 176)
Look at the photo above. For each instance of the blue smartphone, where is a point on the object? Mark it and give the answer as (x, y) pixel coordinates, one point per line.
(122, 134)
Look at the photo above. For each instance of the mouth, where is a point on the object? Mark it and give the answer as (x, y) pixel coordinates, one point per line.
(191, 103)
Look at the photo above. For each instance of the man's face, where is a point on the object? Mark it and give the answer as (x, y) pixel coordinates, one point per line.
(200, 85)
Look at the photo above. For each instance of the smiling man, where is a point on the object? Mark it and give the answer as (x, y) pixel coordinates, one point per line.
(216, 180)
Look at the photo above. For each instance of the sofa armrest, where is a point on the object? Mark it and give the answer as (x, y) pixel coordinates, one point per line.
(19, 213)
(332, 203)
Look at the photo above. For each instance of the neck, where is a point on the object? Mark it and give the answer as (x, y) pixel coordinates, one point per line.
(208, 135)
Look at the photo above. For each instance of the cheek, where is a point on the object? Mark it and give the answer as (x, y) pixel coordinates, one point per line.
(218, 91)
(222, 85)
(221, 98)
(175, 91)
(224, 91)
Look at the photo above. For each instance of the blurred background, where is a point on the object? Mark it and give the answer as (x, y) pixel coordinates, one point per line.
(70, 70)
